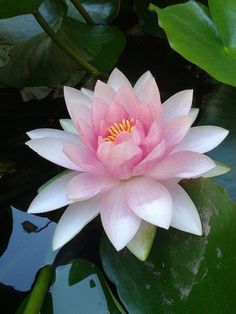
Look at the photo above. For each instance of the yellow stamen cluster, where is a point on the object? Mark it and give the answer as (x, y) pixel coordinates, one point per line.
(115, 129)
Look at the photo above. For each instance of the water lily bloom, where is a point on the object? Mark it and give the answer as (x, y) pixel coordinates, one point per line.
(126, 153)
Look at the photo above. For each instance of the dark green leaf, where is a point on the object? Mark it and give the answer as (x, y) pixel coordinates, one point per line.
(184, 273)
(220, 110)
(28, 57)
(208, 43)
(9, 8)
(101, 11)
(147, 19)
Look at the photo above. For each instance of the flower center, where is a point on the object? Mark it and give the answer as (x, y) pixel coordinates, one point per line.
(115, 129)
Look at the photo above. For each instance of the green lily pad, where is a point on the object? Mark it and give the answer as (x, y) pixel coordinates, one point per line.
(206, 37)
(11, 8)
(184, 273)
(220, 110)
(101, 11)
(28, 57)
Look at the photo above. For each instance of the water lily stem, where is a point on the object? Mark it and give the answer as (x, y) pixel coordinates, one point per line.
(82, 11)
(41, 286)
(66, 47)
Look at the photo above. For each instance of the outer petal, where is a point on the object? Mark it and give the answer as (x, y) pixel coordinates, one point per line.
(52, 150)
(78, 105)
(141, 243)
(104, 91)
(87, 92)
(202, 139)
(86, 185)
(119, 159)
(142, 80)
(53, 196)
(68, 126)
(183, 165)
(185, 214)
(63, 135)
(176, 129)
(194, 113)
(177, 105)
(117, 79)
(119, 222)
(74, 219)
(150, 201)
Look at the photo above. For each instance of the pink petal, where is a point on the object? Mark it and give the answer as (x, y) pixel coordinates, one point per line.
(87, 134)
(74, 219)
(149, 94)
(142, 80)
(52, 150)
(117, 79)
(135, 137)
(153, 137)
(104, 91)
(98, 115)
(185, 215)
(135, 109)
(176, 129)
(177, 105)
(150, 201)
(115, 114)
(151, 159)
(183, 165)
(78, 105)
(86, 185)
(119, 159)
(119, 222)
(63, 135)
(80, 155)
(202, 139)
(52, 196)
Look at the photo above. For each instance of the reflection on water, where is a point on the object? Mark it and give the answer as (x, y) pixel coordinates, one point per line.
(29, 248)
(84, 295)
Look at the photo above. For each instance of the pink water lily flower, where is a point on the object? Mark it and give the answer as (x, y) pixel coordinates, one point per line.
(126, 152)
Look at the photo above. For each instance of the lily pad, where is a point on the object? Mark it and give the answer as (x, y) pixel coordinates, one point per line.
(184, 273)
(206, 37)
(11, 8)
(220, 110)
(40, 62)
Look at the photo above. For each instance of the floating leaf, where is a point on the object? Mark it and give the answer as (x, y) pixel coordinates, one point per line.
(11, 8)
(39, 61)
(184, 273)
(220, 110)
